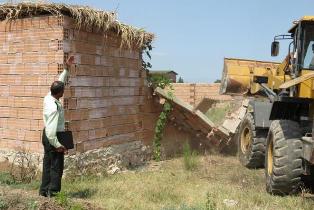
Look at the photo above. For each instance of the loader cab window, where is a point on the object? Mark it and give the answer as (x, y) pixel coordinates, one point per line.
(308, 47)
(309, 57)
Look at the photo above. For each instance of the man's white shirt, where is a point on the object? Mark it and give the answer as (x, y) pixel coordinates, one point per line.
(53, 114)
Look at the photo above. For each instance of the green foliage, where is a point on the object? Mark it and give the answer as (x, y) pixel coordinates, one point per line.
(185, 207)
(24, 168)
(159, 130)
(180, 80)
(217, 114)
(217, 81)
(6, 178)
(159, 80)
(83, 193)
(32, 205)
(77, 207)
(190, 158)
(62, 199)
(3, 204)
(146, 52)
(210, 204)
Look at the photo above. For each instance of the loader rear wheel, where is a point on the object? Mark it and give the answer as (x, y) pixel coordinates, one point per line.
(283, 162)
(251, 143)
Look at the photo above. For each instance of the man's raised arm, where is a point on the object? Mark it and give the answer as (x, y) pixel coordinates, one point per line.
(64, 75)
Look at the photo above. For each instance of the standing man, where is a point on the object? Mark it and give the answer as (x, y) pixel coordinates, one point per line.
(53, 115)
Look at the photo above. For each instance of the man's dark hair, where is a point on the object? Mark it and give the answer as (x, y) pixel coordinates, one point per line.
(56, 87)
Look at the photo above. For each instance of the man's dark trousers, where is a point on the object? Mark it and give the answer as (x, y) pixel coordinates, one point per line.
(53, 164)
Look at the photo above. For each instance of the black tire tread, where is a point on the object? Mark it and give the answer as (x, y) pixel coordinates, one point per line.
(285, 178)
(255, 156)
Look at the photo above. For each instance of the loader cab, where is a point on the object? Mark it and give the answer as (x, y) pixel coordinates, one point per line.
(307, 45)
(301, 48)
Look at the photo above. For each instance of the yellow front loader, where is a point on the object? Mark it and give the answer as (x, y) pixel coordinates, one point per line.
(277, 126)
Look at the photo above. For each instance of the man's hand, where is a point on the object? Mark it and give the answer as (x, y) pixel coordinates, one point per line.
(69, 62)
(62, 149)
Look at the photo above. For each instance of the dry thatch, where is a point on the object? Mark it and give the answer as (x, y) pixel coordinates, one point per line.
(83, 15)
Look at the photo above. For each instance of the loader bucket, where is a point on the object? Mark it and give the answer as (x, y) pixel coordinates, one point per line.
(235, 79)
(238, 73)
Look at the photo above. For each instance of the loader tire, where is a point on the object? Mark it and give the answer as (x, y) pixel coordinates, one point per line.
(283, 159)
(251, 143)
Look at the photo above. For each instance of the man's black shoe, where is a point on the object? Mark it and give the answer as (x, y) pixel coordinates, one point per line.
(44, 194)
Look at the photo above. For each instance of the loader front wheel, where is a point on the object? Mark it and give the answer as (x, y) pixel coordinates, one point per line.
(283, 162)
(251, 143)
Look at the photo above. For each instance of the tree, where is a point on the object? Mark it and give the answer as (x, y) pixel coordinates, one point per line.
(180, 80)
(217, 81)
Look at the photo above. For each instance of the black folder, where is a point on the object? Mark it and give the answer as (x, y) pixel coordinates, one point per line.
(66, 139)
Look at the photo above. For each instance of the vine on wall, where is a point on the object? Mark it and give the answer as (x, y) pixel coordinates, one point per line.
(159, 130)
(163, 83)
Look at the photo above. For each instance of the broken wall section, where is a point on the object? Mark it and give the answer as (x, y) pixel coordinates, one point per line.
(193, 93)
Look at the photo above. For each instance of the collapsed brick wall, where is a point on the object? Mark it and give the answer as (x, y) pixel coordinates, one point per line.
(193, 93)
(102, 99)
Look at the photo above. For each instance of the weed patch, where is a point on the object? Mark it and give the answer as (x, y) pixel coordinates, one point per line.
(82, 193)
(218, 113)
(190, 158)
(62, 199)
(6, 178)
(3, 203)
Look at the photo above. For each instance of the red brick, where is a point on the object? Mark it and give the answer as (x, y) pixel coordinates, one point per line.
(3, 101)
(17, 91)
(72, 103)
(3, 123)
(3, 143)
(9, 133)
(37, 114)
(36, 91)
(19, 123)
(44, 22)
(12, 112)
(24, 113)
(28, 102)
(5, 111)
(4, 91)
(32, 136)
(34, 125)
(41, 124)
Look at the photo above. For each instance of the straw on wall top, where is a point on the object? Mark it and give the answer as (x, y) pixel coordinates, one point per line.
(83, 15)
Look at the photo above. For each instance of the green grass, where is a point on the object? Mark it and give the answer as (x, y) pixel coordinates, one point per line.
(218, 113)
(7, 179)
(190, 158)
(173, 187)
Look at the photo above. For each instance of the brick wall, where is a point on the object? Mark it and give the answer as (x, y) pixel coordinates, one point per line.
(29, 58)
(106, 89)
(102, 99)
(106, 100)
(193, 93)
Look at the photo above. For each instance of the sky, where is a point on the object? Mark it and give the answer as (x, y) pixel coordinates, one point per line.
(194, 36)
